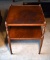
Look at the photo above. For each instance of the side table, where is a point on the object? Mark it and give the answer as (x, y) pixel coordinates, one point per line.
(25, 22)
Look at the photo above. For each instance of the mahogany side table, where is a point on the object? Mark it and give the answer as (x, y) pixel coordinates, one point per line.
(25, 22)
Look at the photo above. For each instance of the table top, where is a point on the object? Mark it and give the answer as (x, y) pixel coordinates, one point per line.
(25, 15)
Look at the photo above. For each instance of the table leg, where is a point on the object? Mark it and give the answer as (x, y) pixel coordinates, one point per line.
(9, 44)
(8, 37)
(41, 42)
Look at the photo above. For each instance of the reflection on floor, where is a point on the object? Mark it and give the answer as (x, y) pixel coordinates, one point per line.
(25, 50)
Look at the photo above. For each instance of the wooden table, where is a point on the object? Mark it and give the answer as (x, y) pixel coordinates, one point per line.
(25, 22)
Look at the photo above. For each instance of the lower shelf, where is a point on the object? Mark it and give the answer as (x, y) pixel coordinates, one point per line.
(25, 32)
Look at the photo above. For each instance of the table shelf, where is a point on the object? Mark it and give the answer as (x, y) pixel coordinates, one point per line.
(25, 32)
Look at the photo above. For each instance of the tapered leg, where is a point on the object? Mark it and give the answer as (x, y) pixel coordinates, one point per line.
(8, 36)
(41, 42)
(9, 44)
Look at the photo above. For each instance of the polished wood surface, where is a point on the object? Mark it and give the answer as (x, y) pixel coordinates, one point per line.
(25, 16)
(25, 32)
